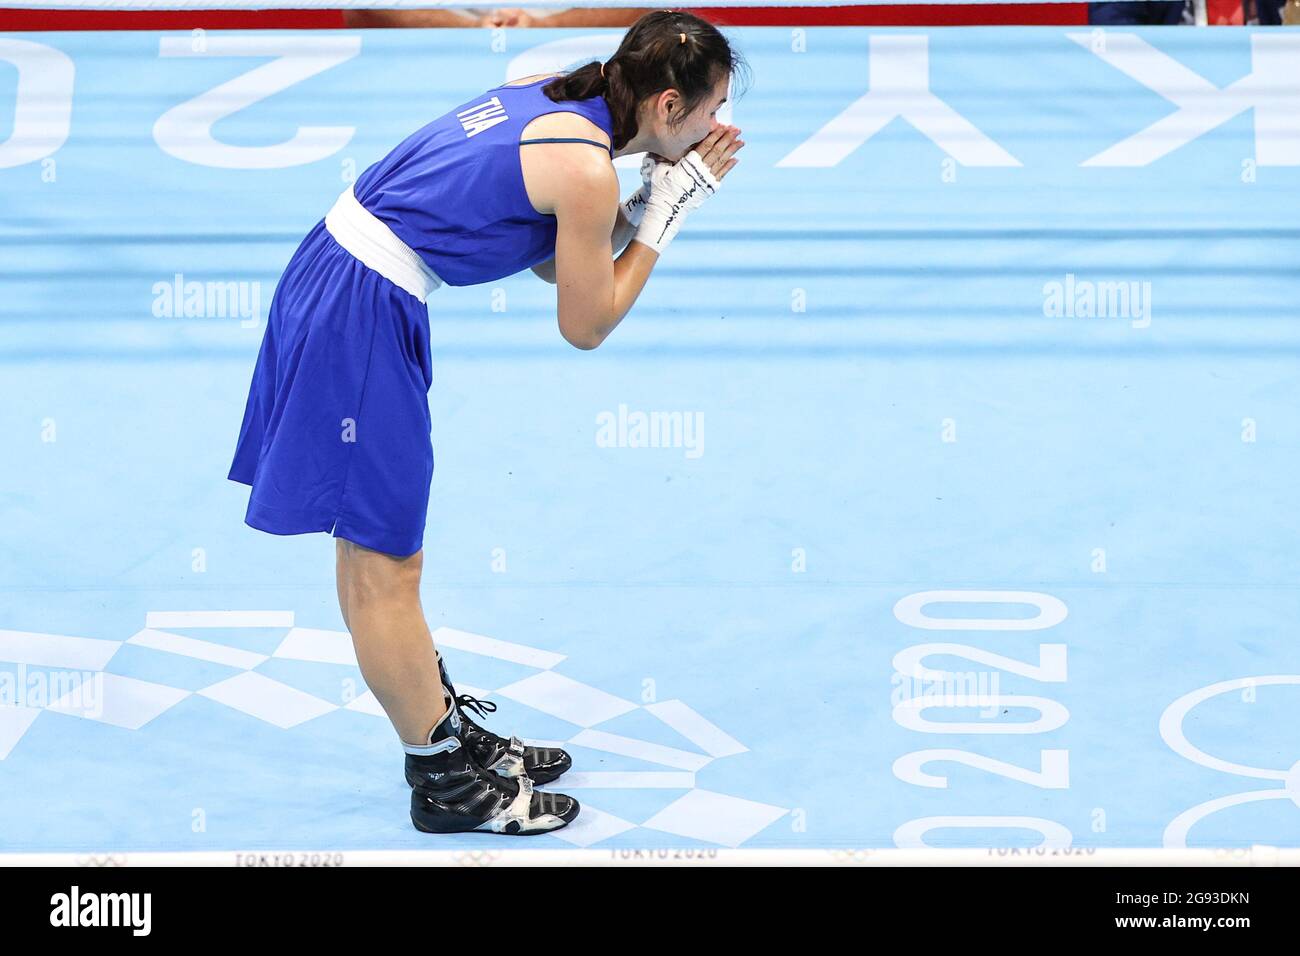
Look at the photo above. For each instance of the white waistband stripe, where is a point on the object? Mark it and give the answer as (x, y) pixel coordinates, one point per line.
(374, 244)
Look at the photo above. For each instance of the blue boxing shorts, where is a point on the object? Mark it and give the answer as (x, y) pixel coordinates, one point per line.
(336, 431)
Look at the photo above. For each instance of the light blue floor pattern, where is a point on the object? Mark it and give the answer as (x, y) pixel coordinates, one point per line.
(883, 408)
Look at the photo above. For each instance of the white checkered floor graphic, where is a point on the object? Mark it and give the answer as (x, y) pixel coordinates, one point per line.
(130, 703)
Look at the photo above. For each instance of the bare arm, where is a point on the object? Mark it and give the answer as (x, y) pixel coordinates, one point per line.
(365, 19)
(579, 17)
(593, 292)
(618, 240)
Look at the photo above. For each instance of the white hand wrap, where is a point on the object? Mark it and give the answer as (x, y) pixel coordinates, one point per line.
(634, 205)
(676, 189)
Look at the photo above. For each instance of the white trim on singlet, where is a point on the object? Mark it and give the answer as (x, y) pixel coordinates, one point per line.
(370, 240)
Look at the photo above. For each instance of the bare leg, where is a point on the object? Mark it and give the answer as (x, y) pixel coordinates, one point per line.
(379, 596)
(340, 579)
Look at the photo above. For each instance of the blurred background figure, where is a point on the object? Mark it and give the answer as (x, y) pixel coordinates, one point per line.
(1139, 14)
(1217, 13)
(1235, 13)
(1272, 13)
(496, 17)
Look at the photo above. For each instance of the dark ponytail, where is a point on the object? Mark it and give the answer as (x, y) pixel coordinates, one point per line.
(663, 49)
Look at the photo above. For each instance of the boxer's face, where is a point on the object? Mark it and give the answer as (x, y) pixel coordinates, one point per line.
(675, 136)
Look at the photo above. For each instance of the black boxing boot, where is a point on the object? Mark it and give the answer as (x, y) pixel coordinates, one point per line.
(451, 792)
(509, 758)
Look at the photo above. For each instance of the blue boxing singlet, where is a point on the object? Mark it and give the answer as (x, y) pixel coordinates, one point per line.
(454, 190)
(336, 429)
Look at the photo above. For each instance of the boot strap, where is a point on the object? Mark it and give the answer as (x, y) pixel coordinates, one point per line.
(511, 763)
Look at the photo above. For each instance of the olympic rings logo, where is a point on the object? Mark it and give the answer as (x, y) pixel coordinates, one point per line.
(1171, 731)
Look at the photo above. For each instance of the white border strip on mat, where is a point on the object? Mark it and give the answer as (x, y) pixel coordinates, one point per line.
(692, 856)
(165, 620)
